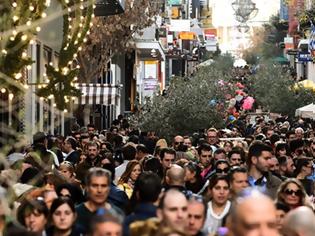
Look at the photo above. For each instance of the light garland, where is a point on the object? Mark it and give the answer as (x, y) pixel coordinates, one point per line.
(75, 27)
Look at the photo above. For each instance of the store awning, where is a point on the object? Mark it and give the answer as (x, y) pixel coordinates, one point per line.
(98, 94)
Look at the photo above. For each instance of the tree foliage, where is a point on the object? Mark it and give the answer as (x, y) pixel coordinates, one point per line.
(190, 104)
(112, 34)
(266, 41)
(276, 91)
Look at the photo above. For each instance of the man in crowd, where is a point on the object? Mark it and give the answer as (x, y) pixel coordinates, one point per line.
(129, 152)
(235, 157)
(69, 148)
(172, 210)
(212, 137)
(253, 215)
(197, 212)
(97, 188)
(142, 152)
(92, 160)
(177, 142)
(167, 156)
(299, 222)
(238, 178)
(205, 159)
(259, 155)
(286, 166)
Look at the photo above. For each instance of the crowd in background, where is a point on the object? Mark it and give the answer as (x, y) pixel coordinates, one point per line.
(251, 179)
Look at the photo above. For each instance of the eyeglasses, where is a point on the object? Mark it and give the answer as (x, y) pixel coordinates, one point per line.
(298, 193)
(177, 143)
(225, 170)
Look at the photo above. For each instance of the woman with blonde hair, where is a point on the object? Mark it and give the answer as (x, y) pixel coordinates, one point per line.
(292, 194)
(129, 177)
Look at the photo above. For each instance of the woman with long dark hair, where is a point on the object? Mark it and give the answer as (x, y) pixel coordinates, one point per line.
(193, 179)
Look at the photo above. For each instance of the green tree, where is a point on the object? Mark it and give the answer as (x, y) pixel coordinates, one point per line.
(276, 91)
(189, 105)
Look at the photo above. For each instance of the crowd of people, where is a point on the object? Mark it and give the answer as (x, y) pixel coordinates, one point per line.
(256, 181)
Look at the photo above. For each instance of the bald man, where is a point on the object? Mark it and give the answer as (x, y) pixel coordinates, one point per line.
(173, 210)
(253, 215)
(299, 222)
(175, 179)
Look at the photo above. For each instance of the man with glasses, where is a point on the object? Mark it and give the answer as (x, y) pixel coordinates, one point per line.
(197, 212)
(178, 140)
(212, 137)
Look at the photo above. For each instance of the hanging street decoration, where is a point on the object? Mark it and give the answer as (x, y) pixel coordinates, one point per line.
(76, 24)
(18, 25)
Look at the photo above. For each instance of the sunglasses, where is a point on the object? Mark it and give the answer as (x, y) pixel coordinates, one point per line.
(177, 143)
(225, 170)
(298, 193)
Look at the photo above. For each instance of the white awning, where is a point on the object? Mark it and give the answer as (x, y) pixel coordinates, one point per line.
(98, 94)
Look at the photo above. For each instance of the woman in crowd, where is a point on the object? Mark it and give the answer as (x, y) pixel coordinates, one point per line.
(219, 206)
(292, 193)
(62, 218)
(66, 169)
(193, 179)
(33, 214)
(72, 191)
(304, 169)
(129, 177)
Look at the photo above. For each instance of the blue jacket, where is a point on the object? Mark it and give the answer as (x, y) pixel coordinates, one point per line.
(117, 197)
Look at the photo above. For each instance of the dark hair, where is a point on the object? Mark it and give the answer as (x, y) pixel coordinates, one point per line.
(195, 168)
(283, 160)
(97, 172)
(148, 187)
(134, 139)
(142, 148)
(75, 192)
(30, 206)
(281, 146)
(204, 147)
(295, 144)
(103, 218)
(72, 142)
(282, 207)
(153, 164)
(300, 163)
(255, 149)
(129, 152)
(60, 201)
(236, 169)
(214, 179)
(90, 126)
(219, 151)
(92, 144)
(237, 150)
(167, 151)
(221, 161)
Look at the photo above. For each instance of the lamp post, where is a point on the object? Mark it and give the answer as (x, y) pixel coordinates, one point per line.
(244, 11)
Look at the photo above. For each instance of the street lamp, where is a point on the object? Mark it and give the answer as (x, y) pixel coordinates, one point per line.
(244, 10)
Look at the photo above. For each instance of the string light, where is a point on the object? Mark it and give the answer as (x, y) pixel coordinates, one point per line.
(82, 7)
(51, 96)
(41, 98)
(4, 52)
(29, 67)
(38, 28)
(28, 23)
(32, 41)
(3, 90)
(11, 96)
(24, 37)
(15, 18)
(85, 40)
(32, 8)
(44, 14)
(26, 86)
(24, 55)
(14, 32)
(12, 38)
(14, 4)
(18, 76)
(54, 105)
(65, 110)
